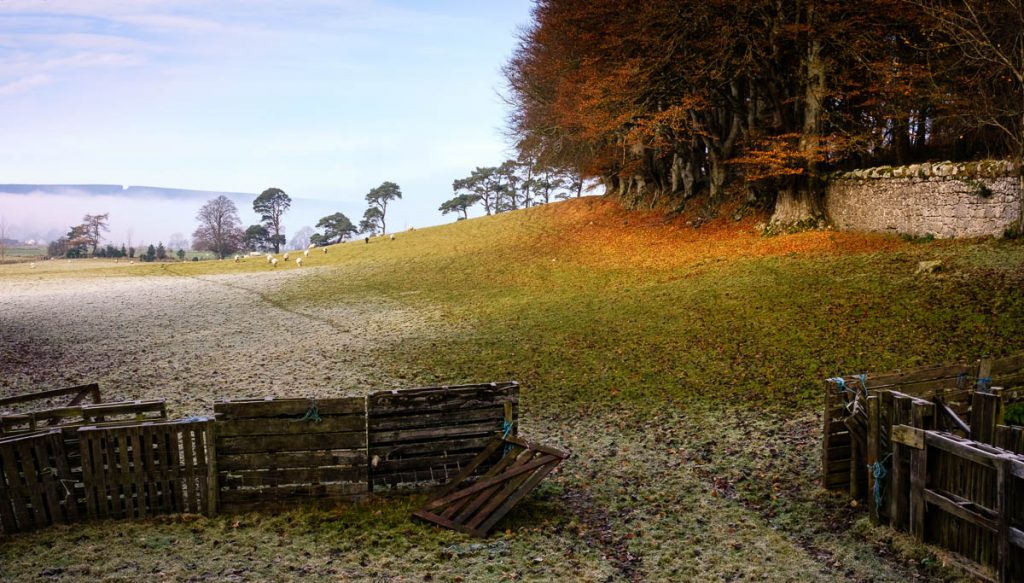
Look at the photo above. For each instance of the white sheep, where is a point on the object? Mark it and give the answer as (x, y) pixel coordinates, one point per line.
(298, 262)
(325, 250)
(392, 236)
(270, 258)
(238, 258)
(286, 256)
(273, 261)
(305, 253)
(31, 265)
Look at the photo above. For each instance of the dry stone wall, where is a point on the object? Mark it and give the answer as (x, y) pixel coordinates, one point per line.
(944, 199)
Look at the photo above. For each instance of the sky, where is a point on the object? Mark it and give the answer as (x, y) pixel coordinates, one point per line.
(325, 99)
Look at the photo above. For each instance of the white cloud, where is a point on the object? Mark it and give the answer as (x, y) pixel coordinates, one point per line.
(25, 84)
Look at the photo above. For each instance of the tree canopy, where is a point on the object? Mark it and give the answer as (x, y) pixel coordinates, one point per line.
(219, 228)
(379, 198)
(271, 204)
(671, 99)
(336, 228)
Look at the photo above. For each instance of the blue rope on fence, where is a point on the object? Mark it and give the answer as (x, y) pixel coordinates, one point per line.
(840, 384)
(507, 430)
(879, 473)
(863, 378)
(984, 382)
(312, 414)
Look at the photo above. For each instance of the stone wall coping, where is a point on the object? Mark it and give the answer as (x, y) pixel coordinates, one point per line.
(930, 170)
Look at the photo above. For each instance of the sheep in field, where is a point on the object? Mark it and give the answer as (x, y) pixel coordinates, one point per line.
(270, 258)
(298, 262)
(273, 261)
(286, 257)
(305, 253)
(325, 250)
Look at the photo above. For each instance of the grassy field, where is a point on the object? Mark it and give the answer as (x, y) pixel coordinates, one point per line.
(683, 368)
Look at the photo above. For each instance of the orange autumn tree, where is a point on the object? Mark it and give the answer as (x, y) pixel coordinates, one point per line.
(668, 100)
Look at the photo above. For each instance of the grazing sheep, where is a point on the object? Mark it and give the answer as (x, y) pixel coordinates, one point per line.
(305, 253)
(273, 261)
(270, 258)
(286, 257)
(325, 250)
(238, 258)
(392, 236)
(298, 262)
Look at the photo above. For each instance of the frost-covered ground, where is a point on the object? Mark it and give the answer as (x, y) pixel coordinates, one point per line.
(190, 340)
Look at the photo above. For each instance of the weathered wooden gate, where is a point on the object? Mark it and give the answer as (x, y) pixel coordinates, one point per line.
(151, 468)
(276, 453)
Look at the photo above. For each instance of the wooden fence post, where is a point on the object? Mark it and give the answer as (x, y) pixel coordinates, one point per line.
(897, 502)
(826, 436)
(1003, 556)
(920, 413)
(985, 407)
(984, 378)
(212, 482)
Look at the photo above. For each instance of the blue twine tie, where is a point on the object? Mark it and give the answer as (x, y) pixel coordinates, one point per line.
(879, 473)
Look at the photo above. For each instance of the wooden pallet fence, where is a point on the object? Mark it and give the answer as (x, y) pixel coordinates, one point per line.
(475, 506)
(848, 450)
(78, 415)
(36, 487)
(1010, 438)
(427, 436)
(965, 496)
(145, 469)
(78, 395)
(276, 453)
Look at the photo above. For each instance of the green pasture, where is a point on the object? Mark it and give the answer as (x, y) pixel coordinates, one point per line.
(682, 368)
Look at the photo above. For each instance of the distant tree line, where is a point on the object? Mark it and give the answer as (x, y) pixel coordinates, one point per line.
(220, 229)
(512, 185)
(671, 100)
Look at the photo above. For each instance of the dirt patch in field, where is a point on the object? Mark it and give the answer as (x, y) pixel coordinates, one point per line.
(192, 340)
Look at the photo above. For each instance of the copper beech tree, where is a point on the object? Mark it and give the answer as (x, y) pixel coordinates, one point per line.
(673, 99)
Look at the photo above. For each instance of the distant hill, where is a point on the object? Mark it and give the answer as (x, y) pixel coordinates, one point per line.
(117, 189)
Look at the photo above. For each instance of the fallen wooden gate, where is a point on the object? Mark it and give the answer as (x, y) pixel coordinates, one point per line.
(476, 507)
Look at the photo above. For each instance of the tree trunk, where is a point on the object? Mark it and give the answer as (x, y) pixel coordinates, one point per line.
(799, 201)
(795, 205)
(716, 176)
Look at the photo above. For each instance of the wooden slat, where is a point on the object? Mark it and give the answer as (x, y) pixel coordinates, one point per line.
(298, 442)
(292, 476)
(487, 428)
(290, 459)
(960, 447)
(961, 509)
(188, 452)
(263, 495)
(437, 419)
(89, 389)
(272, 426)
(295, 408)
